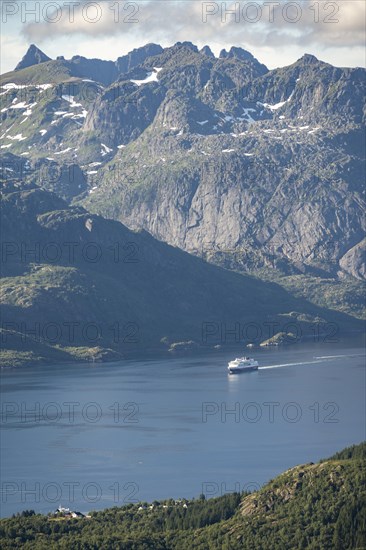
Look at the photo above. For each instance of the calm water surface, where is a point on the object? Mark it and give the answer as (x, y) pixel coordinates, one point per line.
(93, 436)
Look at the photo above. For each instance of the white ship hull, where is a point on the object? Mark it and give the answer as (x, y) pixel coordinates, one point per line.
(242, 364)
(233, 370)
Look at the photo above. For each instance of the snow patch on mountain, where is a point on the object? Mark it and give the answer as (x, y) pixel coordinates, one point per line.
(70, 99)
(18, 137)
(64, 151)
(105, 150)
(151, 77)
(277, 105)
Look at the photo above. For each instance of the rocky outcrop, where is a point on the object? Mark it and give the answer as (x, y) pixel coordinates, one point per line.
(99, 70)
(354, 261)
(206, 50)
(136, 57)
(34, 56)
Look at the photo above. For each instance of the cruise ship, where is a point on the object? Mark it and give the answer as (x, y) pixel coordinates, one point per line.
(242, 364)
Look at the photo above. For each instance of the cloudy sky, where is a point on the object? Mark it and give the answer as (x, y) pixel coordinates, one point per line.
(276, 32)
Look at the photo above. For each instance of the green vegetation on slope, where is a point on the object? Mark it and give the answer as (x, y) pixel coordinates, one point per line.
(64, 267)
(346, 295)
(313, 506)
(278, 188)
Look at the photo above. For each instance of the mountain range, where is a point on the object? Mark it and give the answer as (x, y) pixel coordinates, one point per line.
(257, 171)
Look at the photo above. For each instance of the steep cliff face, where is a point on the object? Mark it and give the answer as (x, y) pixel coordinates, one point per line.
(354, 261)
(237, 205)
(63, 265)
(269, 171)
(218, 156)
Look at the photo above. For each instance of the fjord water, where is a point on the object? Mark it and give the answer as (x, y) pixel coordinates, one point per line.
(94, 436)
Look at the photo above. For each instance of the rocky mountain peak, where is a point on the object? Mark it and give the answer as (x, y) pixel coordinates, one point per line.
(137, 56)
(206, 50)
(308, 59)
(78, 58)
(34, 56)
(238, 53)
(187, 44)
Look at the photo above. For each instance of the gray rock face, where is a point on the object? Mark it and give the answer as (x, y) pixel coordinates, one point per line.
(216, 156)
(137, 56)
(122, 113)
(94, 69)
(354, 261)
(206, 50)
(270, 175)
(238, 53)
(34, 56)
(227, 207)
(98, 70)
(167, 295)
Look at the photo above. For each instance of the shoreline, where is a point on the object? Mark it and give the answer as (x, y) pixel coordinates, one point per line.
(195, 351)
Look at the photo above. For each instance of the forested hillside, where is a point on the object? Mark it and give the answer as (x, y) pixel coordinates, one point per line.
(312, 506)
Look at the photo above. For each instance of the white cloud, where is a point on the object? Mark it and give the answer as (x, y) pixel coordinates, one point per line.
(335, 33)
(341, 21)
(12, 51)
